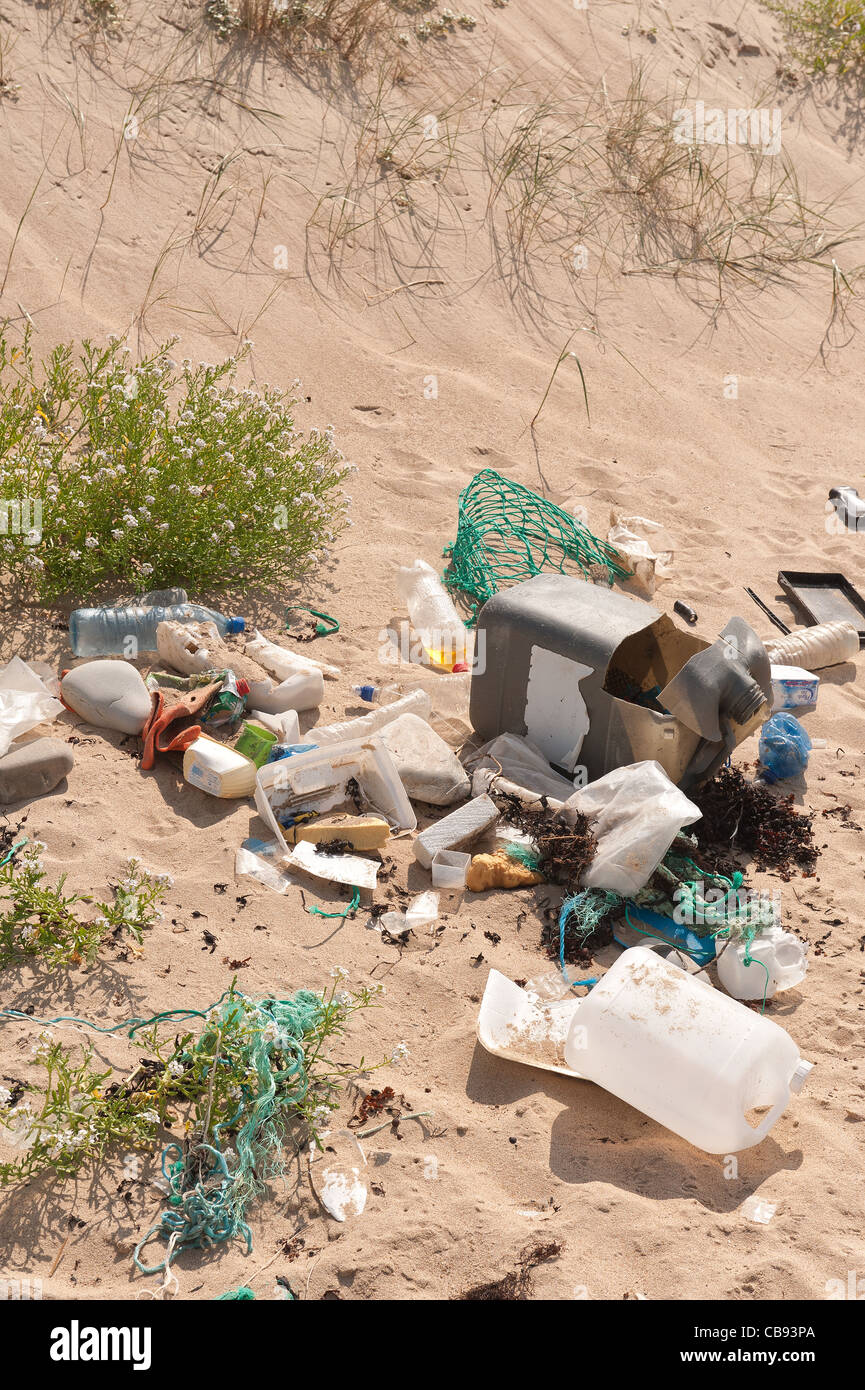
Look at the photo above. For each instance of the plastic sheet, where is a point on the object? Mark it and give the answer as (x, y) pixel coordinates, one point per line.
(25, 701)
(636, 813)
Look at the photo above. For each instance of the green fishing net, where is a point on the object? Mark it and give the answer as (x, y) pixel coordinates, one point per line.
(507, 533)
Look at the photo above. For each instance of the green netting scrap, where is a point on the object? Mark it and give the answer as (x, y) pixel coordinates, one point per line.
(507, 533)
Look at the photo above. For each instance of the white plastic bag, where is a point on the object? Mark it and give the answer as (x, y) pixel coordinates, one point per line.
(636, 812)
(25, 701)
(518, 760)
(645, 547)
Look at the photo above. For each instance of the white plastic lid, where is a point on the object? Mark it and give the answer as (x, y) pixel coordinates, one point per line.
(800, 1075)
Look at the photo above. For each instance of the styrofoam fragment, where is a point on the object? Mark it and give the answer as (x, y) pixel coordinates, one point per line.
(457, 830)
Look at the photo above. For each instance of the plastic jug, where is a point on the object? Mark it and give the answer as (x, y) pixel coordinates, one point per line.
(778, 960)
(683, 1053)
(215, 768)
(442, 632)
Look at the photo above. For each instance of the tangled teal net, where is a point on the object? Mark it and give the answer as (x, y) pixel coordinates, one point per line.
(209, 1197)
(507, 533)
(730, 914)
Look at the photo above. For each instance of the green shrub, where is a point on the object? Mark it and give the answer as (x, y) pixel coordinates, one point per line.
(824, 35)
(152, 474)
(40, 921)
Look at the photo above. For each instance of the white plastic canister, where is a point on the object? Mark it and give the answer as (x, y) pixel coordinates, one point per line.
(683, 1053)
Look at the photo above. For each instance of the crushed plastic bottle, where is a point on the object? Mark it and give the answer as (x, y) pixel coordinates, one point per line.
(442, 632)
(784, 748)
(127, 631)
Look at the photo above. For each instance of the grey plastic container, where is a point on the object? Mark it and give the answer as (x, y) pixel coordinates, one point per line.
(557, 648)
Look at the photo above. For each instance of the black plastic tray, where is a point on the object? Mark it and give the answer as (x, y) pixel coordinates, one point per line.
(825, 597)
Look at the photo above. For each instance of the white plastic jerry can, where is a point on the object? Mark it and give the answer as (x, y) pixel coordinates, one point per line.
(688, 1056)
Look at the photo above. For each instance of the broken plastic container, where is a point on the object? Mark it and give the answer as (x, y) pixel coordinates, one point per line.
(684, 1054)
(324, 778)
(281, 663)
(779, 961)
(596, 679)
(429, 771)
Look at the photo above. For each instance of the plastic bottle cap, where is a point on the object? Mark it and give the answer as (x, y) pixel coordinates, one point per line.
(366, 692)
(237, 625)
(800, 1075)
(460, 667)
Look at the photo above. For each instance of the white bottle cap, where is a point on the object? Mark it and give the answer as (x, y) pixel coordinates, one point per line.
(800, 1075)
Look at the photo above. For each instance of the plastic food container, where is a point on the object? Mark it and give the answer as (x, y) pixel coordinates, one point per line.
(318, 781)
(217, 769)
(449, 869)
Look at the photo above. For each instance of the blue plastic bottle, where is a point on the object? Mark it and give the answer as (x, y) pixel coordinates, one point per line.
(128, 631)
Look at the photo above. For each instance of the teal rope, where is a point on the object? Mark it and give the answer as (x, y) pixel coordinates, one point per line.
(352, 907)
(172, 1015)
(20, 845)
(207, 1202)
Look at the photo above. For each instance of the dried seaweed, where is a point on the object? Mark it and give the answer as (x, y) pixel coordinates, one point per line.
(565, 851)
(517, 1285)
(749, 817)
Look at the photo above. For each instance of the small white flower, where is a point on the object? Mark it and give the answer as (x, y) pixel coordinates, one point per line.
(399, 1053)
(91, 542)
(339, 972)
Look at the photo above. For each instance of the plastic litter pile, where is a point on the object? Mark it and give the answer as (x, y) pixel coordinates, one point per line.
(574, 746)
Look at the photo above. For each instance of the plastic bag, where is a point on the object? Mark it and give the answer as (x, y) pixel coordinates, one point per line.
(25, 701)
(645, 547)
(636, 813)
(784, 748)
(518, 760)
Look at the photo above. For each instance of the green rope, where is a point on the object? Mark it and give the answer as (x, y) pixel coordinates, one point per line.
(20, 845)
(208, 1201)
(326, 625)
(352, 907)
(507, 533)
(241, 1295)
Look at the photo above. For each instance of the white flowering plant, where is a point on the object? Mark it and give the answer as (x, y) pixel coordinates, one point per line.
(40, 920)
(152, 473)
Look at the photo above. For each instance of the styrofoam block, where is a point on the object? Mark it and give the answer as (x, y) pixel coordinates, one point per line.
(457, 830)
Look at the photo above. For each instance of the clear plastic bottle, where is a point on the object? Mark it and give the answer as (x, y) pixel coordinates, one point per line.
(127, 631)
(442, 632)
(377, 694)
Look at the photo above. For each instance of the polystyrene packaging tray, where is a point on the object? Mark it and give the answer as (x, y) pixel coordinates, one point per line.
(316, 781)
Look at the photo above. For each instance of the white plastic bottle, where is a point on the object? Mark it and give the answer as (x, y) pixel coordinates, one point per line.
(827, 644)
(683, 1053)
(431, 610)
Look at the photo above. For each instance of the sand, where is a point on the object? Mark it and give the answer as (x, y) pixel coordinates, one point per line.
(425, 385)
